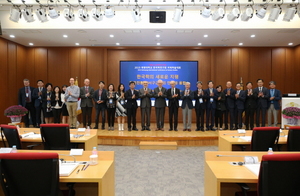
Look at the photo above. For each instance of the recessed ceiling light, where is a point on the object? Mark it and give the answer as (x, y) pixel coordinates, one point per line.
(240, 44)
(205, 35)
(77, 44)
(158, 44)
(199, 44)
(117, 44)
(157, 35)
(290, 44)
(12, 36)
(111, 36)
(65, 35)
(252, 36)
(30, 44)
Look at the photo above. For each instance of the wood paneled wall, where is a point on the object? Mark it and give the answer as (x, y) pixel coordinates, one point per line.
(57, 65)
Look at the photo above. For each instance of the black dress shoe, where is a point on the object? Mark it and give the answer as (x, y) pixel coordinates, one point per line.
(135, 129)
(95, 128)
(202, 129)
(170, 129)
(184, 129)
(197, 129)
(103, 128)
(175, 129)
(189, 130)
(213, 129)
(129, 129)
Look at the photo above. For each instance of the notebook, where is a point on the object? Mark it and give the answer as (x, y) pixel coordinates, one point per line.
(65, 169)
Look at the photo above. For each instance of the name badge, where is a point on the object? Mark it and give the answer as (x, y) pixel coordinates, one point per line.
(110, 101)
(200, 100)
(122, 102)
(99, 98)
(211, 100)
(27, 94)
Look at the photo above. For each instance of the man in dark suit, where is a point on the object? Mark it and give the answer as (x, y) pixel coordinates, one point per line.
(25, 99)
(187, 106)
(37, 96)
(160, 94)
(211, 99)
(250, 106)
(200, 106)
(100, 98)
(131, 95)
(86, 96)
(274, 104)
(263, 95)
(173, 95)
(240, 97)
(230, 105)
(145, 94)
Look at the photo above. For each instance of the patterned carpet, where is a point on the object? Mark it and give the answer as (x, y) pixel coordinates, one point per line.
(159, 172)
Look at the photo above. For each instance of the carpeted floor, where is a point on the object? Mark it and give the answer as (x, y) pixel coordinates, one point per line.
(159, 172)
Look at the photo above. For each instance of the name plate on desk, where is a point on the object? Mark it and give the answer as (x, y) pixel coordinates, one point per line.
(292, 95)
(241, 131)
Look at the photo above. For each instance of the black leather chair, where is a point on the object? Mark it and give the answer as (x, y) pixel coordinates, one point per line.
(293, 140)
(264, 138)
(279, 175)
(55, 136)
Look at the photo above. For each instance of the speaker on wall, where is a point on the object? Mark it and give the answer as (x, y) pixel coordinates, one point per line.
(157, 17)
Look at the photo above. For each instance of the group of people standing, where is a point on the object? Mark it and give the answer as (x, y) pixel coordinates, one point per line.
(214, 103)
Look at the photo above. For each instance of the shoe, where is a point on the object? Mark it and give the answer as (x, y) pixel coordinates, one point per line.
(189, 130)
(175, 129)
(157, 129)
(129, 129)
(213, 129)
(122, 127)
(170, 129)
(143, 129)
(197, 129)
(148, 128)
(184, 129)
(112, 128)
(207, 129)
(162, 129)
(95, 128)
(103, 128)
(202, 129)
(135, 129)
(109, 128)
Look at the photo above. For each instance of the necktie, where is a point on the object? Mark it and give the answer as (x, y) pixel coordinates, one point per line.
(100, 93)
(27, 94)
(145, 89)
(86, 89)
(260, 89)
(173, 91)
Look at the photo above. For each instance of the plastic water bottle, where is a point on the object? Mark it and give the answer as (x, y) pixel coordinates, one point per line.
(14, 149)
(95, 151)
(270, 151)
(88, 131)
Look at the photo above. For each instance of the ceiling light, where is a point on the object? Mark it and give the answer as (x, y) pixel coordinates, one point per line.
(136, 14)
(275, 11)
(205, 35)
(28, 14)
(158, 44)
(289, 14)
(290, 44)
(109, 13)
(261, 13)
(157, 35)
(206, 12)
(218, 14)
(111, 36)
(199, 44)
(96, 13)
(247, 14)
(41, 14)
(15, 14)
(30, 44)
(252, 36)
(65, 36)
(68, 14)
(83, 14)
(117, 44)
(240, 44)
(12, 36)
(178, 13)
(234, 14)
(77, 44)
(53, 13)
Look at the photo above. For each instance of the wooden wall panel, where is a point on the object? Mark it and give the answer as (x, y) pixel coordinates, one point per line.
(74, 64)
(4, 79)
(296, 70)
(222, 66)
(204, 66)
(94, 66)
(41, 64)
(244, 61)
(278, 67)
(289, 77)
(12, 75)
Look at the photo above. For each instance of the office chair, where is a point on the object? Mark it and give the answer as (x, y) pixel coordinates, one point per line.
(279, 175)
(12, 137)
(293, 139)
(55, 136)
(264, 138)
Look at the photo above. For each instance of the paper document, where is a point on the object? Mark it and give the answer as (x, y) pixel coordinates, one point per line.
(76, 151)
(31, 135)
(65, 169)
(253, 168)
(5, 150)
(246, 138)
(81, 129)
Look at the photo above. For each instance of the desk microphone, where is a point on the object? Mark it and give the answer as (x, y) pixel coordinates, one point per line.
(68, 156)
(248, 159)
(233, 133)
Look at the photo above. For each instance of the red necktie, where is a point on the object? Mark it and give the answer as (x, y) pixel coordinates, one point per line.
(27, 95)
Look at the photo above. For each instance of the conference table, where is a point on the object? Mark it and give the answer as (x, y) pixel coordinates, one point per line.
(85, 142)
(96, 180)
(232, 140)
(220, 176)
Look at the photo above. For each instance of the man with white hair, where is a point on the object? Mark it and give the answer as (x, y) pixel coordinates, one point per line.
(187, 106)
(160, 94)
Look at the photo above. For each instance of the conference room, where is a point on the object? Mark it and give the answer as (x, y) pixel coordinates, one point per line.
(121, 41)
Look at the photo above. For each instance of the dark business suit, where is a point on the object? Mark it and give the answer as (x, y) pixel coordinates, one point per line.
(173, 107)
(160, 104)
(230, 104)
(56, 112)
(211, 105)
(100, 107)
(262, 106)
(273, 106)
(200, 105)
(28, 104)
(220, 110)
(86, 105)
(187, 97)
(145, 107)
(38, 104)
(239, 108)
(250, 107)
(131, 106)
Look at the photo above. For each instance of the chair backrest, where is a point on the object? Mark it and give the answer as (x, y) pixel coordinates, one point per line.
(55, 136)
(33, 174)
(264, 138)
(279, 175)
(11, 135)
(293, 140)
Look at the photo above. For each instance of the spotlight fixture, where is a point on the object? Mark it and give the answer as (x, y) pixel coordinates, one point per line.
(234, 14)
(41, 14)
(15, 13)
(28, 14)
(83, 14)
(289, 14)
(247, 14)
(53, 13)
(68, 14)
(109, 13)
(136, 14)
(218, 14)
(96, 13)
(206, 12)
(178, 13)
(275, 11)
(261, 13)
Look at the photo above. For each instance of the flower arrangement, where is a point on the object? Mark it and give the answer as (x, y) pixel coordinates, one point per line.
(291, 112)
(15, 111)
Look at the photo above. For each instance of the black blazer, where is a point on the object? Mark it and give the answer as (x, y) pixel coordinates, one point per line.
(173, 101)
(250, 102)
(230, 99)
(240, 102)
(197, 97)
(188, 99)
(53, 101)
(213, 104)
(131, 103)
(44, 98)
(103, 98)
(22, 96)
(263, 101)
(37, 101)
(221, 103)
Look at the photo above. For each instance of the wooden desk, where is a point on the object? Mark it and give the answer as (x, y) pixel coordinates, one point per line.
(85, 142)
(220, 177)
(229, 142)
(95, 180)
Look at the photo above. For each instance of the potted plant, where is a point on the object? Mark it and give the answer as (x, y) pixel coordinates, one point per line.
(15, 113)
(292, 114)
